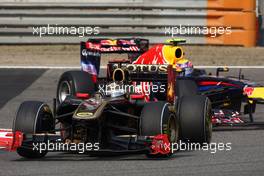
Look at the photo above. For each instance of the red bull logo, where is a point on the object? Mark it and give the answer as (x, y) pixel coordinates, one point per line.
(93, 46)
(109, 42)
(248, 91)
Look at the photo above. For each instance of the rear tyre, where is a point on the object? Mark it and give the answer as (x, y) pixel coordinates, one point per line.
(195, 119)
(72, 82)
(186, 87)
(157, 119)
(33, 117)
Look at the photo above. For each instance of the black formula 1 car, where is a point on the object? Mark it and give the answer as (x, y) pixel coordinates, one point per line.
(100, 116)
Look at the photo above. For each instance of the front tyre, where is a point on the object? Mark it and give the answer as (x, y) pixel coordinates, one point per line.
(33, 117)
(195, 119)
(156, 119)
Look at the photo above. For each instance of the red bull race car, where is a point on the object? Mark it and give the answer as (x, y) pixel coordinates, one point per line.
(231, 97)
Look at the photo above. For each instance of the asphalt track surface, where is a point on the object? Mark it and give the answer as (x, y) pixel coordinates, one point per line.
(17, 85)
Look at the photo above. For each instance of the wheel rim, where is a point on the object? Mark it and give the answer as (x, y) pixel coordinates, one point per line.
(173, 132)
(64, 90)
(208, 125)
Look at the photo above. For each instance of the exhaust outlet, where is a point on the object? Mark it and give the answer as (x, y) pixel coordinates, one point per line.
(119, 75)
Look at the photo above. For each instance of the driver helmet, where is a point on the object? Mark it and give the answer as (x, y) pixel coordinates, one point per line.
(186, 66)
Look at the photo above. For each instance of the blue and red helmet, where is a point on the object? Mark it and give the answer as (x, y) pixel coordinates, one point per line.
(186, 66)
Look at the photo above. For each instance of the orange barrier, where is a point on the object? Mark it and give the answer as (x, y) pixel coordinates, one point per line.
(236, 38)
(241, 5)
(239, 15)
(235, 19)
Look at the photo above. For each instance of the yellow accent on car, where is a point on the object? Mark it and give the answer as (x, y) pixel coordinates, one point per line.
(258, 92)
(182, 61)
(175, 41)
(226, 69)
(169, 51)
(170, 90)
(84, 114)
(226, 104)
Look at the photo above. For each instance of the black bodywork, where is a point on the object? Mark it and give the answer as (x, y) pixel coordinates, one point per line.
(117, 127)
(119, 117)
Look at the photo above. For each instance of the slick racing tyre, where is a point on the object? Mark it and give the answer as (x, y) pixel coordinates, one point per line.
(195, 119)
(33, 117)
(185, 87)
(72, 82)
(156, 119)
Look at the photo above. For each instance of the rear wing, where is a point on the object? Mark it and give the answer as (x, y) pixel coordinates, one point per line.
(92, 49)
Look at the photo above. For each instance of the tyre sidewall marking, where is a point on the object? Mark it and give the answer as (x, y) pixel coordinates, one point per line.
(162, 115)
(36, 117)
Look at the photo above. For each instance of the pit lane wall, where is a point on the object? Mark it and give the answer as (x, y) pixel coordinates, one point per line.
(152, 19)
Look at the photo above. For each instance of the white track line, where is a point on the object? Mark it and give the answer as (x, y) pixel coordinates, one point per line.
(2, 129)
(38, 67)
(104, 67)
